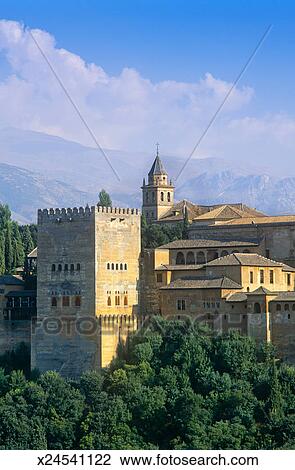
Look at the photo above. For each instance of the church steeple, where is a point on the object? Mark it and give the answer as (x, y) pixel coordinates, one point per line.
(158, 194)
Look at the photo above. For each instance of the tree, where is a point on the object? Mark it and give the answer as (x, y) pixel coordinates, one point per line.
(27, 240)
(17, 247)
(104, 199)
(2, 253)
(8, 249)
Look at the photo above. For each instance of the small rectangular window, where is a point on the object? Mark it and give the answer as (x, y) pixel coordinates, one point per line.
(251, 277)
(271, 276)
(261, 276)
(288, 279)
(181, 304)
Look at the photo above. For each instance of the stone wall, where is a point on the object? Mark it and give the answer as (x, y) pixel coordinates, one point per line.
(13, 333)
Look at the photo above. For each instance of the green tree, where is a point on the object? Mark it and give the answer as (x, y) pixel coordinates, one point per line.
(104, 199)
(2, 253)
(28, 244)
(17, 246)
(8, 249)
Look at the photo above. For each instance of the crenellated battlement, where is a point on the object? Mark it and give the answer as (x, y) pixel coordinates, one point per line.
(82, 213)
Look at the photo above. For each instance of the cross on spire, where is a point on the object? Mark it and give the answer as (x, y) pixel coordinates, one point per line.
(157, 145)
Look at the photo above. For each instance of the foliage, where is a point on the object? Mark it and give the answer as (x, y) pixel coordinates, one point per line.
(104, 199)
(155, 235)
(16, 241)
(174, 387)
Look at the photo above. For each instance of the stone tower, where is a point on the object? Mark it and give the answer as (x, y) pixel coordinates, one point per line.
(158, 193)
(88, 276)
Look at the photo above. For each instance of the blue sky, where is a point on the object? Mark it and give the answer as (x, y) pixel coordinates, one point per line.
(161, 41)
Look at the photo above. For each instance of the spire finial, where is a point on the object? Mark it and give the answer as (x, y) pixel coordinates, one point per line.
(157, 145)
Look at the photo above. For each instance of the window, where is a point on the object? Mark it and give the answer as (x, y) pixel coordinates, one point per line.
(108, 266)
(162, 196)
(113, 266)
(147, 197)
(271, 276)
(180, 258)
(159, 277)
(66, 268)
(287, 307)
(278, 308)
(125, 301)
(200, 257)
(168, 197)
(78, 301)
(288, 279)
(78, 267)
(66, 301)
(117, 300)
(53, 302)
(72, 268)
(53, 268)
(190, 258)
(181, 304)
(117, 266)
(289, 316)
(261, 274)
(109, 301)
(257, 308)
(293, 307)
(251, 277)
(121, 266)
(59, 268)
(125, 267)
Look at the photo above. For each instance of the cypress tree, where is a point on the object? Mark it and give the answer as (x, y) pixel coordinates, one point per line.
(8, 249)
(17, 246)
(2, 254)
(27, 240)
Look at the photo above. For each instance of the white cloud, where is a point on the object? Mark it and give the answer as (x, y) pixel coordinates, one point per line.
(124, 111)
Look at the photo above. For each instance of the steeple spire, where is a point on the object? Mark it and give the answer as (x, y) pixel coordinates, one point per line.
(157, 167)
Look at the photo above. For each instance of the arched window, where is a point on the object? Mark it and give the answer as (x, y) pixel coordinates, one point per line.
(180, 258)
(109, 301)
(117, 300)
(200, 257)
(211, 255)
(59, 268)
(53, 302)
(66, 301)
(190, 258)
(287, 307)
(72, 268)
(162, 196)
(279, 307)
(224, 253)
(53, 268)
(113, 266)
(78, 267)
(121, 266)
(125, 266)
(257, 308)
(66, 268)
(117, 266)
(78, 301)
(168, 197)
(108, 266)
(125, 301)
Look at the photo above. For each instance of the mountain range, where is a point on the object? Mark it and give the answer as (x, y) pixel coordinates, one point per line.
(40, 170)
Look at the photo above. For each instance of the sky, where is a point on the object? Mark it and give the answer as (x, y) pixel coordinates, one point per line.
(143, 71)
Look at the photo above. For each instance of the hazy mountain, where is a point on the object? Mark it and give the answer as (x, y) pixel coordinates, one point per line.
(39, 170)
(26, 191)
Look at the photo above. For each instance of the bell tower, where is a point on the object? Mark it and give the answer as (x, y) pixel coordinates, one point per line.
(158, 193)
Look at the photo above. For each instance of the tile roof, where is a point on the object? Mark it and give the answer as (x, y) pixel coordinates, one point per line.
(247, 259)
(205, 243)
(176, 212)
(260, 220)
(22, 293)
(179, 267)
(203, 283)
(9, 280)
(237, 297)
(262, 291)
(229, 211)
(157, 167)
(284, 297)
